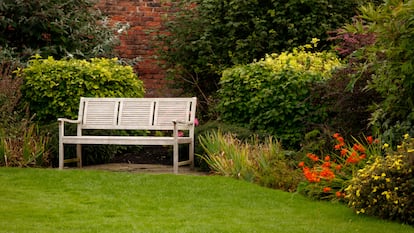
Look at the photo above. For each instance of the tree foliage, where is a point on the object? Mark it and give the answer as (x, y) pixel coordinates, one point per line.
(206, 36)
(391, 58)
(54, 28)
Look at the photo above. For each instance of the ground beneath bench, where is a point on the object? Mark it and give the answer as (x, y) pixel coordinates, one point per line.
(150, 159)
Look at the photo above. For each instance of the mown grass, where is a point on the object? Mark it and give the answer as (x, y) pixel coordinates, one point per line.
(48, 200)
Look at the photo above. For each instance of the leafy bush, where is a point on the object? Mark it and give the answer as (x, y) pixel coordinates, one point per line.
(262, 163)
(56, 28)
(52, 88)
(384, 188)
(272, 95)
(204, 37)
(327, 176)
(391, 58)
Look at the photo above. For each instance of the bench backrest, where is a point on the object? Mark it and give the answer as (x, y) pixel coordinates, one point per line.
(136, 113)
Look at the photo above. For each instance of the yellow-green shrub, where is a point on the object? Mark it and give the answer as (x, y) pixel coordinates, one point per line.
(52, 88)
(274, 94)
(385, 188)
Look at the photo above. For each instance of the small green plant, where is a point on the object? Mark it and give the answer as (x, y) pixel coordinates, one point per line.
(385, 187)
(327, 176)
(52, 88)
(261, 163)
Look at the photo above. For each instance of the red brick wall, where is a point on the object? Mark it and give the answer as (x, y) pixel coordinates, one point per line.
(142, 15)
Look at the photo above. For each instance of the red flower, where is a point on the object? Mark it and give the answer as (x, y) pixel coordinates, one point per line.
(344, 152)
(370, 140)
(326, 189)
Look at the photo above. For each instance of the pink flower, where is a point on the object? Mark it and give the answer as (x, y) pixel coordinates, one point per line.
(180, 134)
(196, 122)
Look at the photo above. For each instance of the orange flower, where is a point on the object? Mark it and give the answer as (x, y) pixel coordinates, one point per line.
(301, 164)
(338, 167)
(359, 147)
(327, 174)
(338, 194)
(326, 189)
(353, 158)
(339, 146)
(344, 152)
(310, 175)
(336, 135)
(313, 157)
(327, 158)
(326, 164)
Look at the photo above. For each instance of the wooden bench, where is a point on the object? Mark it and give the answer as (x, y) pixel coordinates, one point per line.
(154, 114)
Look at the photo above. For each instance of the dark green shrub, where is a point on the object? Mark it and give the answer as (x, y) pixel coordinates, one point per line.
(56, 28)
(272, 95)
(205, 37)
(52, 88)
(385, 187)
(391, 58)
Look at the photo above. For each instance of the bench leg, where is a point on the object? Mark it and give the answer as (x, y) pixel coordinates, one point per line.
(79, 154)
(191, 154)
(61, 155)
(175, 158)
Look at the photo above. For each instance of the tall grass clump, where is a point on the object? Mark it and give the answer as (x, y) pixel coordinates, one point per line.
(253, 161)
(27, 148)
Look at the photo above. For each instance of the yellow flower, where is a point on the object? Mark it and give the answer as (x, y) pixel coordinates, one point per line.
(387, 194)
(386, 145)
(406, 136)
(315, 41)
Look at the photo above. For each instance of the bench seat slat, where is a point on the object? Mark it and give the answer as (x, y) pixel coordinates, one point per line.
(124, 140)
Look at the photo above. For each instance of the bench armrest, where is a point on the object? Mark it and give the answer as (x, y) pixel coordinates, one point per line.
(68, 120)
(183, 122)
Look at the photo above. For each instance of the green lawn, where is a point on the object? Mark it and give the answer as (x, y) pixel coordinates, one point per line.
(48, 200)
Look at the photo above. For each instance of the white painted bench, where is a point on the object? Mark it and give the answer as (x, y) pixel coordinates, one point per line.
(155, 114)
